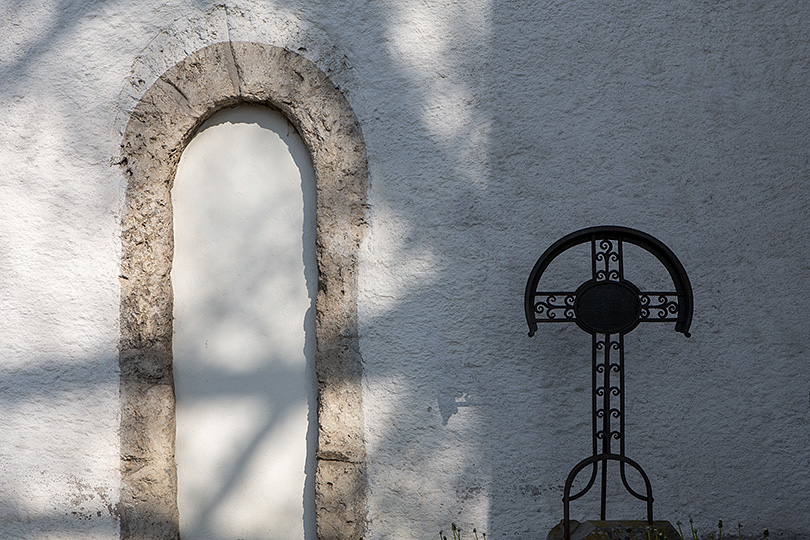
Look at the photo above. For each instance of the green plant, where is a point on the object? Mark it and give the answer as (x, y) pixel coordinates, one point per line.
(694, 532)
(456, 532)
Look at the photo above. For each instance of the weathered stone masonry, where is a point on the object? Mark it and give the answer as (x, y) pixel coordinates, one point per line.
(165, 119)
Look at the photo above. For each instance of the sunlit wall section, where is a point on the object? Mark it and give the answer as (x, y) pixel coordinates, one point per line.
(244, 285)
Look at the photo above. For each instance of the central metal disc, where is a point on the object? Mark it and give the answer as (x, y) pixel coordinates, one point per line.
(607, 307)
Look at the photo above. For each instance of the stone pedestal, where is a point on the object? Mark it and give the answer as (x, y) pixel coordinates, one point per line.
(617, 530)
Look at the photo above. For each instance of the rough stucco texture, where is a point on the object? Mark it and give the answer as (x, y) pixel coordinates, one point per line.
(491, 129)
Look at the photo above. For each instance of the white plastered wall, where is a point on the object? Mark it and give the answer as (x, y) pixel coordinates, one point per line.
(491, 131)
(244, 276)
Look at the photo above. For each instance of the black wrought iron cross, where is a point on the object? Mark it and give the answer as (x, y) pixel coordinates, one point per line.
(608, 306)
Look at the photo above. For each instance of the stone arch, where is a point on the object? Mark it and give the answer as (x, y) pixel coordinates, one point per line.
(162, 123)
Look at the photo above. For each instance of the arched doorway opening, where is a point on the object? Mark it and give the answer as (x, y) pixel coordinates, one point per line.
(244, 281)
(159, 128)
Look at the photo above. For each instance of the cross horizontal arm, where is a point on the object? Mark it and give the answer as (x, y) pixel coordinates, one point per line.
(554, 307)
(658, 306)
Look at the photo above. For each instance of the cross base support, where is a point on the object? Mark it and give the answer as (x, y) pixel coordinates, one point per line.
(616, 530)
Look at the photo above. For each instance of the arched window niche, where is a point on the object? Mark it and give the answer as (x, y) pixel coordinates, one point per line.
(163, 122)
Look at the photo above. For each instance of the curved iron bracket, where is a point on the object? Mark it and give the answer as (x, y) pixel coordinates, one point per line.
(595, 461)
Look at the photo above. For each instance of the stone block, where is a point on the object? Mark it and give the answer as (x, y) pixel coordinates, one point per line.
(616, 530)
